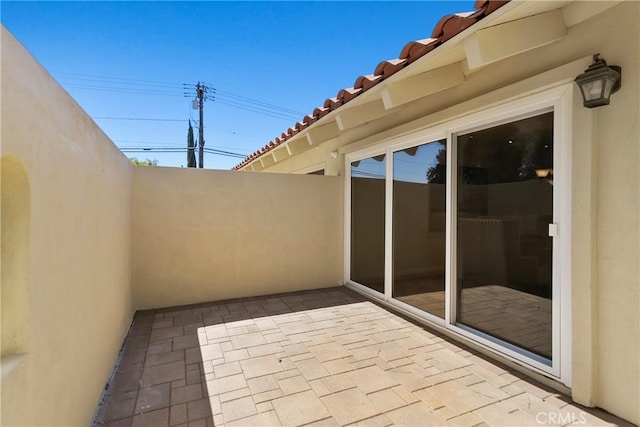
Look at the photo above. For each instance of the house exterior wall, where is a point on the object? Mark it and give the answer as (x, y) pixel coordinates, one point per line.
(205, 235)
(605, 164)
(67, 298)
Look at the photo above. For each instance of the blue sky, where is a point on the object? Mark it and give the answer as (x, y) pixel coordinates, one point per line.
(270, 62)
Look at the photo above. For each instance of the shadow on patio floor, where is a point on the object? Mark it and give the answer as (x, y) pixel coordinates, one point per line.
(322, 357)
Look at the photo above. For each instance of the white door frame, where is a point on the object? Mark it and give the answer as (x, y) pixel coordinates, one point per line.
(557, 99)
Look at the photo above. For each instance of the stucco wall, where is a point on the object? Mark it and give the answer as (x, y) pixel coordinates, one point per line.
(204, 235)
(605, 195)
(65, 248)
(617, 208)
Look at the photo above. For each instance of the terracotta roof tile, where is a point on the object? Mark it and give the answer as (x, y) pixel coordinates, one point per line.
(446, 28)
(332, 103)
(389, 67)
(417, 49)
(309, 119)
(452, 25)
(487, 6)
(320, 112)
(347, 94)
(367, 82)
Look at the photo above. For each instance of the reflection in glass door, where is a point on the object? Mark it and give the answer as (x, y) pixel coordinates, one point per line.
(367, 222)
(419, 226)
(504, 252)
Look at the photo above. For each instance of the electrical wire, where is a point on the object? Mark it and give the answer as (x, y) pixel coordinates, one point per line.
(179, 150)
(275, 115)
(266, 104)
(80, 76)
(152, 119)
(153, 87)
(173, 144)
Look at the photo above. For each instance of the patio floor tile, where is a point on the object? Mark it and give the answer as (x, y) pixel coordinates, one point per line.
(239, 408)
(299, 409)
(417, 414)
(178, 414)
(324, 357)
(259, 366)
(163, 373)
(226, 384)
(349, 406)
(311, 369)
(116, 410)
(185, 394)
(152, 398)
(159, 418)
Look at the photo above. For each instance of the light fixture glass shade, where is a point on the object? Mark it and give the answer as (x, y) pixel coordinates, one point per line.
(543, 173)
(598, 82)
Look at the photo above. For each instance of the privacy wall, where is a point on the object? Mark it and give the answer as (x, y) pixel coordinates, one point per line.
(67, 300)
(211, 235)
(204, 235)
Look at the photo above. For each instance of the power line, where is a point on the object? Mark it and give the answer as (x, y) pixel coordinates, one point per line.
(167, 143)
(255, 110)
(154, 87)
(80, 76)
(153, 119)
(179, 150)
(266, 104)
(122, 90)
(92, 78)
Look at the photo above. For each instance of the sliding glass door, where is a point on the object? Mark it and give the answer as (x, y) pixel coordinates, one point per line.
(419, 219)
(460, 227)
(504, 252)
(367, 222)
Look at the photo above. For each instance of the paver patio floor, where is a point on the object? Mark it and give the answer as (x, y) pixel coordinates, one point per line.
(323, 357)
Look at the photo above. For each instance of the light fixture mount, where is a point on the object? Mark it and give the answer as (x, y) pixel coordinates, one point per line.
(598, 82)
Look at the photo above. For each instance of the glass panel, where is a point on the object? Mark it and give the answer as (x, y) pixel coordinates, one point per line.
(504, 253)
(592, 90)
(367, 222)
(419, 218)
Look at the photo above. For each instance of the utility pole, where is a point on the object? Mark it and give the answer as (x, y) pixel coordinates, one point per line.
(200, 94)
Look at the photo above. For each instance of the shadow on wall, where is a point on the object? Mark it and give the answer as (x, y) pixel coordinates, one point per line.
(14, 230)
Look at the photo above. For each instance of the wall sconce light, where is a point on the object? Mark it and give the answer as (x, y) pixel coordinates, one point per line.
(543, 173)
(598, 82)
(546, 174)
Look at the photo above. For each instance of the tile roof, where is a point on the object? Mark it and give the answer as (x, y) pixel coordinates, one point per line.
(446, 28)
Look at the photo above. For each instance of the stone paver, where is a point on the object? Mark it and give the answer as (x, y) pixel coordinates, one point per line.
(299, 409)
(152, 398)
(327, 357)
(349, 406)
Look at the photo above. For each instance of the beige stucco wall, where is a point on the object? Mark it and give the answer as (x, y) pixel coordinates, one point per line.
(68, 193)
(617, 232)
(204, 235)
(605, 196)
